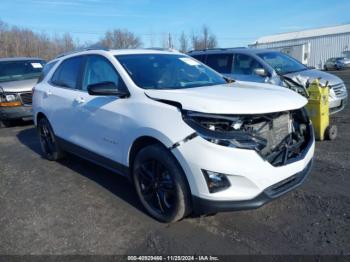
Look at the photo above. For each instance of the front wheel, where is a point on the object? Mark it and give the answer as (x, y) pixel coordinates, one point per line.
(7, 123)
(48, 142)
(161, 184)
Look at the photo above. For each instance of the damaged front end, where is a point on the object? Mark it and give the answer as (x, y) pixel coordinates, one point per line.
(279, 138)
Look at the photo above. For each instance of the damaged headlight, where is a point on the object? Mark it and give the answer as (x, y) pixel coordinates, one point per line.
(224, 130)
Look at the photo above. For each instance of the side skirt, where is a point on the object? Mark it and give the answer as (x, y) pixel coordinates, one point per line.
(93, 157)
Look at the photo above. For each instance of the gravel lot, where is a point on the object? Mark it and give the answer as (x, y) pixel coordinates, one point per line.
(75, 207)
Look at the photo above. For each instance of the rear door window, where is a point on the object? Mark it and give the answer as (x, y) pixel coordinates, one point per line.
(68, 73)
(221, 63)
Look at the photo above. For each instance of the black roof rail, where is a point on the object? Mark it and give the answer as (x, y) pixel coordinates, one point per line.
(160, 49)
(217, 49)
(207, 49)
(96, 48)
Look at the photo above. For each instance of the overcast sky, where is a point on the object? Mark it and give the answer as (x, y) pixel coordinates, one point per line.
(235, 22)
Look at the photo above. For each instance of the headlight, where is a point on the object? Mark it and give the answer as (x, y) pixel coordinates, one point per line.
(9, 100)
(224, 130)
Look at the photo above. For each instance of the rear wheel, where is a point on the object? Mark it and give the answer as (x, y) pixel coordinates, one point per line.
(161, 184)
(331, 132)
(48, 141)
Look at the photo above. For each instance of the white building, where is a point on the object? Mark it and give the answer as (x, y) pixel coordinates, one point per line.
(311, 47)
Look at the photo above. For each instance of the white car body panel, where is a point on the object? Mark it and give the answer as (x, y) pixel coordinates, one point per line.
(109, 126)
(247, 179)
(225, 99)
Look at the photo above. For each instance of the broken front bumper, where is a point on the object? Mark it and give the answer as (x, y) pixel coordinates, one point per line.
(251, 177)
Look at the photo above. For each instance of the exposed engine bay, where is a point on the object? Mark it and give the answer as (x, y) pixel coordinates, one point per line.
(277, 137)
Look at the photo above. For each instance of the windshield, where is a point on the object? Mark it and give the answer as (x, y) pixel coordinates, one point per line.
(20, 70)
(282, 63)
(167, 71)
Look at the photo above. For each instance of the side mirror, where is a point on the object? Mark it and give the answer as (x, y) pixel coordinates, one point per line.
(261, 72)
(106, 89)
(229, 80)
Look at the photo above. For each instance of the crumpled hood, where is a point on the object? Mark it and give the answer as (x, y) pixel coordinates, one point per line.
(18, 86)
(312, 74)
(236, 98)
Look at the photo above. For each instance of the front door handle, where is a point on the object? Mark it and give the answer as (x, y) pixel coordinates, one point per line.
(79, 100)
(48, 93)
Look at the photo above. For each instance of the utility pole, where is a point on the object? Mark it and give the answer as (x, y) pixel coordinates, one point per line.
(170, 42)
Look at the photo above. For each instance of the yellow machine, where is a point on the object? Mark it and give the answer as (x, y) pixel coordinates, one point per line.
(318, 109)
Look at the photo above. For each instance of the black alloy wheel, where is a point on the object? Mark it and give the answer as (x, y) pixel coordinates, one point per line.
(157, 186)
(161, 184)
(48, 142)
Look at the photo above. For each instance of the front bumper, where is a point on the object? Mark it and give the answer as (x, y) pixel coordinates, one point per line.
(344, 66)
(205, 206)
(18, 112)
(251, 177)
(337, 104)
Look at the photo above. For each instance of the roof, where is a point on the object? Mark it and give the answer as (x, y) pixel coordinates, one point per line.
(230, 51)
(8, 59)
(142, 51)
(117, 51)
(341, 29)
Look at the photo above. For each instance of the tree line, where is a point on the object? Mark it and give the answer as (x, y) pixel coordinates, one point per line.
(16, 41)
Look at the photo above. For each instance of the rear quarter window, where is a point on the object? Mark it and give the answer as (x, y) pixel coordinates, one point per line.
(47, 68)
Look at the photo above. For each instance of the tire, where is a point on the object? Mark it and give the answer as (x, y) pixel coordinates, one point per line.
(325, 68)
(161, 184)
(49, 145)
(331, 132)
(8, 123)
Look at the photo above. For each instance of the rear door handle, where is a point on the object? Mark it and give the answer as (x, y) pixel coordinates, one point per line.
(48, 93)
(79, 100)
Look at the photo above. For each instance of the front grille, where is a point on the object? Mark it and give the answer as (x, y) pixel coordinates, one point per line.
(339, 90)
(287, 135)
(26, 98)
(273, 128)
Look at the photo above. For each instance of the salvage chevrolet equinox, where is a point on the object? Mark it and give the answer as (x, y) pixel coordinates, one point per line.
(188, 140)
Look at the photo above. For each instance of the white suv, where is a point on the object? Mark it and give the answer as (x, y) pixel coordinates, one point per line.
(186, 138)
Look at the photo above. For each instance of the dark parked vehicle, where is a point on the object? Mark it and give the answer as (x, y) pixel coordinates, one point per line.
(272, 67)
(17, 78)
(337, 63)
